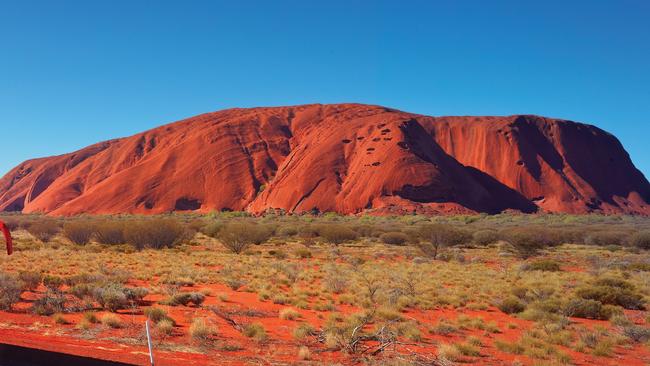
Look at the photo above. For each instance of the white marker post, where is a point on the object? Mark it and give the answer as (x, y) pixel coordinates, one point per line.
(146, 326)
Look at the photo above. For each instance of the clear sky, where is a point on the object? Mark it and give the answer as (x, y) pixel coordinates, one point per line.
(73, 73)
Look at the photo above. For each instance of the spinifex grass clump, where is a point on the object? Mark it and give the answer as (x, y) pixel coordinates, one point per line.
(115, 296)
(186, 298)
(613, 291)
(200, 330)
(255, 331)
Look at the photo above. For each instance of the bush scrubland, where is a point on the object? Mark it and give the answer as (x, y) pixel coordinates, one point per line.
(548, 271)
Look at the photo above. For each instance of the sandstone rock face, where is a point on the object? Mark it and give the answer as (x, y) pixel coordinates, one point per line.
(348, 158)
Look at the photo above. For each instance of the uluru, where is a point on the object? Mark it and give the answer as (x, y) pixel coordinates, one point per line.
(345, 158)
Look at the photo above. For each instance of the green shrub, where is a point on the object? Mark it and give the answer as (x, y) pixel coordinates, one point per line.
(111, 297)
(115, 296)
(604, 238)
(288, 231)
(394, 238)
(30, 279)
(568, 235)
(589, 309)
(548, 306)
(308, 231)
(186, 298)
(637, 333)
(303, 253)
(607, 295)
(155, 234)
(85, 278)
(412, 235)
(212, 229)
(110, 233)
(12, 224)
(638, 266)
(44, 230)
(641, 240)
(261, 233)
(511, 305)
(336, 234)
(278, 253)
(543, 265)
(613, 291)
(234, 283)
(613, 282)
(367, 231)
(10, 290)
(51, 302)
(485, 237)
(239, 236)
(194, 226)
(527, 242)
(82, 290)
(437, 237)
(78, 232)
(444, 328)
(52, 282)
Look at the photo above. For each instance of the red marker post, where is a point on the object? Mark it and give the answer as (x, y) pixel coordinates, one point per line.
(7, 234)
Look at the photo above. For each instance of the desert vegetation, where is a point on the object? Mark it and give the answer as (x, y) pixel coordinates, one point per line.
(540, 289)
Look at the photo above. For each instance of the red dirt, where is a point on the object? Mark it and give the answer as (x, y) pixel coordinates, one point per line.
(25, 329)
(348, 158)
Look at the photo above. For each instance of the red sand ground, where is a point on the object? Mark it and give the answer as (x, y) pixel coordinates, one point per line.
(347, 158)
(26, 329)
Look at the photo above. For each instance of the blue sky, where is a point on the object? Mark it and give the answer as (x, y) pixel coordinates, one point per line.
(73, 73)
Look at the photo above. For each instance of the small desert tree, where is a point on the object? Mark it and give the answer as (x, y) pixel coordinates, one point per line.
(261, 233)
(436, 237)
(641, 240)
(527, 242)
(109, 232)
(79, 232)
(44, 230)
(336, 234)
(238, 236)
(155, 234)
(394, 238)
(485, 237)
